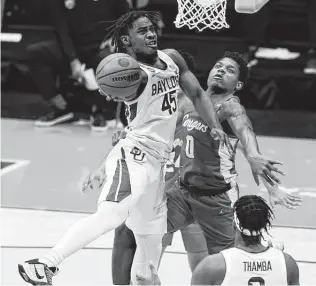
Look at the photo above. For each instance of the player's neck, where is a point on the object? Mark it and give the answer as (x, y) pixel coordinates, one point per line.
(148, 60)
(216, 97)
(252, 246)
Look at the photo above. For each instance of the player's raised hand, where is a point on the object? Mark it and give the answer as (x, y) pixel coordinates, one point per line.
(219, 134)
(263, 167)
(282, 198)
(117, 136)
(151, 279)
(279, 196)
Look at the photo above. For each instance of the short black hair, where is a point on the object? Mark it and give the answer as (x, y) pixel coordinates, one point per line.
(242, 63)
(253, 213)
(189, 59)
(121, 25)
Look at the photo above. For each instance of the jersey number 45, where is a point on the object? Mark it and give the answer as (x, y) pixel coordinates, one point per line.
(169, 102)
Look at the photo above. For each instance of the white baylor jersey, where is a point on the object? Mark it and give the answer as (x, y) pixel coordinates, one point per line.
(152, 116)
(264, 268)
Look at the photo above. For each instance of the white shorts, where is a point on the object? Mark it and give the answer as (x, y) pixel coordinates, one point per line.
(132, 171)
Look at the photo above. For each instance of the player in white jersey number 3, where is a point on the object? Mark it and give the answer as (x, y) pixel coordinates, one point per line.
(133, 188)
(248, 262)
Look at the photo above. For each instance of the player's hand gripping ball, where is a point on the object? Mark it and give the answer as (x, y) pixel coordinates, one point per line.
(118, 76)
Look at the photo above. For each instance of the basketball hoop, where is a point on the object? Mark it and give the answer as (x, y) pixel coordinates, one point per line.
(201, 14)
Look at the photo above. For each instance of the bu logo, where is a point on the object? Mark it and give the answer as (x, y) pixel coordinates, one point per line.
(138, 154)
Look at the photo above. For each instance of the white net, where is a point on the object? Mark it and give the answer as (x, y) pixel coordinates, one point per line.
(201, 14)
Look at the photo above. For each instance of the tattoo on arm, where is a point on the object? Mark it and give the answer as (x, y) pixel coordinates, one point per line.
(237, 118)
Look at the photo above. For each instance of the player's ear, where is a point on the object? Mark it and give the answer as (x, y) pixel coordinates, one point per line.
(126, 40)
(239, 86)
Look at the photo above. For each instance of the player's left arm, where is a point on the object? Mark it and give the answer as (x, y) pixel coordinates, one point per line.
(202, 103)
(237, 118)
(278, 194)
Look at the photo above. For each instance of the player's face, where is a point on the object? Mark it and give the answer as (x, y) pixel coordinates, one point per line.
(143, 37)
(225, 75)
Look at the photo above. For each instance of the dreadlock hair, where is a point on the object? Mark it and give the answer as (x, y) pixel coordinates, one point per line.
(243, 68)
(189, 59)
(254, 214)
(121, 26)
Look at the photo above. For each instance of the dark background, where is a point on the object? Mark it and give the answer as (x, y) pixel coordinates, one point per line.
(280, 98)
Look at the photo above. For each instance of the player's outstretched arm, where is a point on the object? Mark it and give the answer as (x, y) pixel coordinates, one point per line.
(261, 166)
(277, 194)
(201, 101)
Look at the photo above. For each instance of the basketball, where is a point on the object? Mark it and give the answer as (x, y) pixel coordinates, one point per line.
(118, 75)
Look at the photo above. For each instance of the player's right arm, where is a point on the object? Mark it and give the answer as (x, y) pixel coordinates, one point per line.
(293, 272)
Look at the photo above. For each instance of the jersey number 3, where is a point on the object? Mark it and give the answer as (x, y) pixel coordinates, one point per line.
(254, 281)
(169, 102)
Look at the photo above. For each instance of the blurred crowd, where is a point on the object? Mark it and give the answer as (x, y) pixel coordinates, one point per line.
(69, 63)
(63, 69)
(254, 28)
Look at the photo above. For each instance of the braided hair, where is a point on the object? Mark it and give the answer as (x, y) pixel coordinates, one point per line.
(253, 215)
(121, 26)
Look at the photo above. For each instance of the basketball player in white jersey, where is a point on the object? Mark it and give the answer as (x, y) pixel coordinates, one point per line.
(248, 262)
(124, 245)
(133, 189)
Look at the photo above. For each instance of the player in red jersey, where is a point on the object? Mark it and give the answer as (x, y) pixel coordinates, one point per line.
(208, 178)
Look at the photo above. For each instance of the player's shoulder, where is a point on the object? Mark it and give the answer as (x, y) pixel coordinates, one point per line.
(171, 53)
(211, 270)
(232, 108)
(176, 57)
(291, 269)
